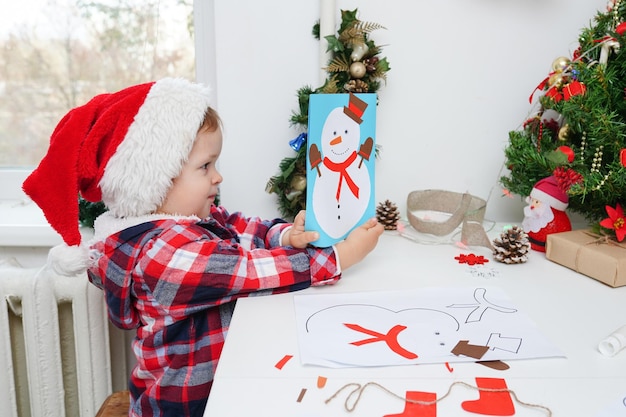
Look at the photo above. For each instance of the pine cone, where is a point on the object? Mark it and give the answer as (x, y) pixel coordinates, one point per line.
(356, 86)
(512, 246)
(388, 215)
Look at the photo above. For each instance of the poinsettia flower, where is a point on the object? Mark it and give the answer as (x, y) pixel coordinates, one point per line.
(615, 221)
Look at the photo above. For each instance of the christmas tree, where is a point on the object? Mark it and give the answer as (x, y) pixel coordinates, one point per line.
(355, 67)
(578, 133)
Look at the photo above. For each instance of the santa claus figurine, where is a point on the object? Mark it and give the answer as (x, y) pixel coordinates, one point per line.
(545, 212)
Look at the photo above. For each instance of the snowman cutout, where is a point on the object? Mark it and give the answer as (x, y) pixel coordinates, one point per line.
(372, 335)
(342, 188)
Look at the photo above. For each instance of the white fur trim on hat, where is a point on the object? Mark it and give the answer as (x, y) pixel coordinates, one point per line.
(69, 260)
(157, 144)
(107, 224)
(548, 199)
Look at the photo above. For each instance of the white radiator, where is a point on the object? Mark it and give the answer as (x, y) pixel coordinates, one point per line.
(55, 351)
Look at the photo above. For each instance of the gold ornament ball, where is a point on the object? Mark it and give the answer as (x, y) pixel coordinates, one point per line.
(564, 133)
(298, 182)
(556, 79)
(559, 64)
(357, 69)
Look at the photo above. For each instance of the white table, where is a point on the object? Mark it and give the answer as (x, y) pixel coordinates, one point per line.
(574, 311)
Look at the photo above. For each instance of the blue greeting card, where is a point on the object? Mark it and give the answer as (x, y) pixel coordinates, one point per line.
(340, 157)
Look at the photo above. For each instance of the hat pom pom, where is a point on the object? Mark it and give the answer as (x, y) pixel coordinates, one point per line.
(69, 260)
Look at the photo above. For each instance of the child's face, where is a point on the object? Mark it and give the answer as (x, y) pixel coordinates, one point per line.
(194, 190)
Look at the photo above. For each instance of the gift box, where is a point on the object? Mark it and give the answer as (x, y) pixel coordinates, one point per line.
(590, 254)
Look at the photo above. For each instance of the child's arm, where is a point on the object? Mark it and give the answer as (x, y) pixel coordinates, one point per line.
(360, 242)
(350, 251)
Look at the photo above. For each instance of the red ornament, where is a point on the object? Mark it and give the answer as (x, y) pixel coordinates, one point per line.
(554, 94)
(567, 151)
(573, 89)
(622, 157)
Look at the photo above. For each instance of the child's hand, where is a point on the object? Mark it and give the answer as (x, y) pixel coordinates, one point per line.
(297, 236)
(360, 242)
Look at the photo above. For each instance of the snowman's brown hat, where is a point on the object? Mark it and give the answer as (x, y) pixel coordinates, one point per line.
(355, 109)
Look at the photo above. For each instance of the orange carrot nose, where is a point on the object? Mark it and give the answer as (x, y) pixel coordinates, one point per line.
(336, 141)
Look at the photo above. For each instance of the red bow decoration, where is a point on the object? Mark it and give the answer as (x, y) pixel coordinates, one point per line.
(541, 86)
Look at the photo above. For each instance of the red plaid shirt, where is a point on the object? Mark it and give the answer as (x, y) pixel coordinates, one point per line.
(175, 280)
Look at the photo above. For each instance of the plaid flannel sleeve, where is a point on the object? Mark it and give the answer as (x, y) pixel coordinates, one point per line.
(186, 271)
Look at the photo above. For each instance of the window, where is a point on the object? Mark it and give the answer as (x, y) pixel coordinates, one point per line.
(50, 65)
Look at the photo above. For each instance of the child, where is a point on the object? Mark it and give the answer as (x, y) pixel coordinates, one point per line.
(170, 262)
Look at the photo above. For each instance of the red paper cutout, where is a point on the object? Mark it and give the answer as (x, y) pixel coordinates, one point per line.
(471, 259)
(412, 409)
(491, 403)
(449, 368)
(283, 361)
(391, 339)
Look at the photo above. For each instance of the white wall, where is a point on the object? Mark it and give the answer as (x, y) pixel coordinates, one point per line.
(462, 72)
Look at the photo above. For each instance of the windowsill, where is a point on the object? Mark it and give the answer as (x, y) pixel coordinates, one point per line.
(23, 224)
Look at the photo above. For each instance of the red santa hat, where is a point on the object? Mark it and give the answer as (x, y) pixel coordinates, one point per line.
(548, 191)
(121, 148)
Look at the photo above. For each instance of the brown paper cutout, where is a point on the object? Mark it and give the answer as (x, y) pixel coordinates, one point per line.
(473, 351)
(497, 365)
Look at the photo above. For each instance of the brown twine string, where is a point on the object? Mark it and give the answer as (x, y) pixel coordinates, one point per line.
(361, 388)
(603, 239)
(599, 240)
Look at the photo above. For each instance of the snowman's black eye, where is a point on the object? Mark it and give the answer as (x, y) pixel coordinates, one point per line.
(334, 133)
(346, 132)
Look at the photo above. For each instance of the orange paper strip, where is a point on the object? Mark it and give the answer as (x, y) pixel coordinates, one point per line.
(321, 381)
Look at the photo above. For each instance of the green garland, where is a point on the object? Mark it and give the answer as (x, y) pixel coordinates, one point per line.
(88, 211)
(348, 71)
(582, 115)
